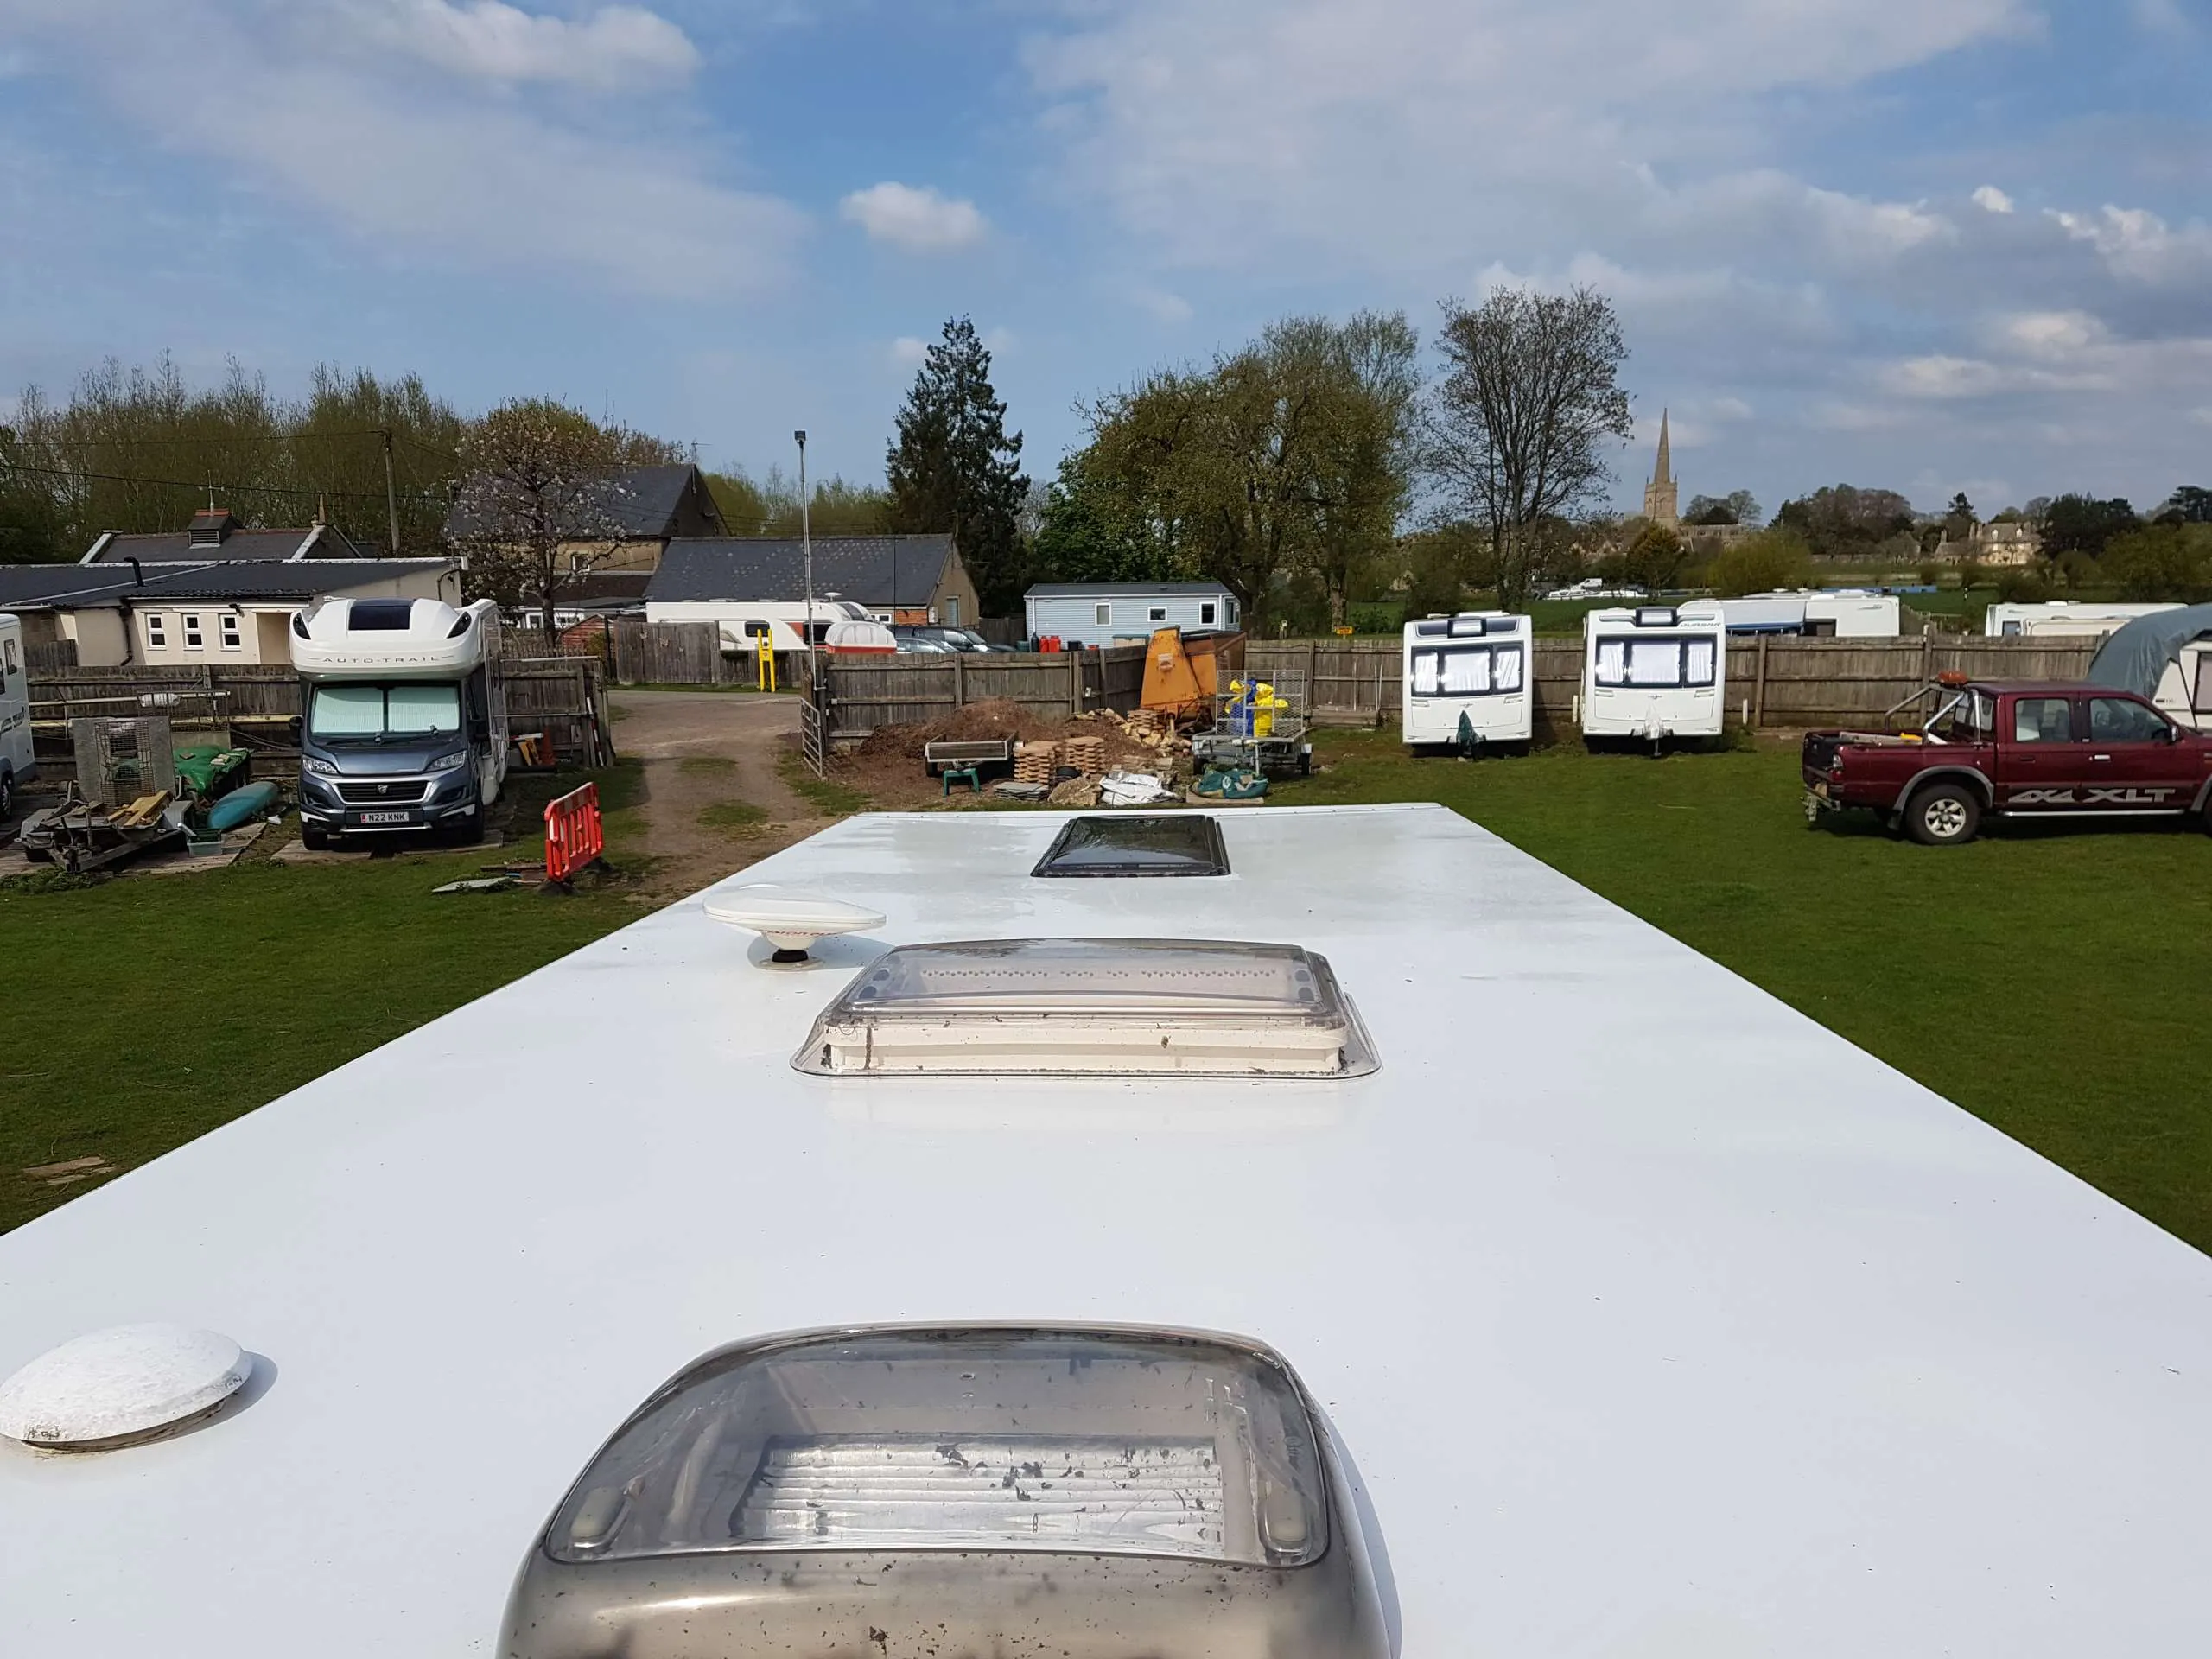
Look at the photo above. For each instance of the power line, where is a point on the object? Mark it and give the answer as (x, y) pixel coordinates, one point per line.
(241, 490)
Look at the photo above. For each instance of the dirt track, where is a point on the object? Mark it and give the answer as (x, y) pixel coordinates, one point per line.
(732, 742)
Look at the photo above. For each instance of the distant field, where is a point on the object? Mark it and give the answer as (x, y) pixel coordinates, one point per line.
(2057, 983)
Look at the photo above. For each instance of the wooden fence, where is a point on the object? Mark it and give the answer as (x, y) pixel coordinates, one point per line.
(562, 697)
(1772, 680)
(862, 694)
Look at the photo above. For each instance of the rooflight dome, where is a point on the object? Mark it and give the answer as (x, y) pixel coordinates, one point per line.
(120, 1384)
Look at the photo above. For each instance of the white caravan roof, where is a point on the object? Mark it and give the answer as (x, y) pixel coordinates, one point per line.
(1656, 1318)
(391, 639)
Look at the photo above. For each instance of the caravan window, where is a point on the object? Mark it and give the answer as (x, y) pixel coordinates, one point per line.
(1683, 660)
(1467, 670)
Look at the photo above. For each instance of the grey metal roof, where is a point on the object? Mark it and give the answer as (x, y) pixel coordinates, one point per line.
(65, 586)
(864, 569)
(2135, 658)
(1124, 590)
(172, 546)
(644, 504)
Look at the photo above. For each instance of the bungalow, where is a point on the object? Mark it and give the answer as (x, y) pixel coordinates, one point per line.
(1105, 613)
(730, 579)
(168, 613)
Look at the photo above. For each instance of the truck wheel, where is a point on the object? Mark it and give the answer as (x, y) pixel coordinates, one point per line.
(315, 841)
(1943, 815)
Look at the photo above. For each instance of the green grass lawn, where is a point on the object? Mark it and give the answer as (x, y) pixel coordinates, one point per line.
(147, 1010)
(2056, 982)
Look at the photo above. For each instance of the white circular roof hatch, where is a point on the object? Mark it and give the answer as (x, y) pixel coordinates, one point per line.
(788, 919)
(120, 1383)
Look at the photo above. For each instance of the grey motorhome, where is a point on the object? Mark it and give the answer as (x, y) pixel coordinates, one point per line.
(404, 725)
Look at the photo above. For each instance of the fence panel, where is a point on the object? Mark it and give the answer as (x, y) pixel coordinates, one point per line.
(864, 693)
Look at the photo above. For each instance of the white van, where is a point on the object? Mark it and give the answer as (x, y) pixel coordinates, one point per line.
(1655, 672)
(1466, 679)
(2062, 618)
(18, 762)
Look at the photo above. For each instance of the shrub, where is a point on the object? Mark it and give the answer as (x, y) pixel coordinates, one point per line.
(1773, 558)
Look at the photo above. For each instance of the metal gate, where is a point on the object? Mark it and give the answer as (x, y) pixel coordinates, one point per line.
(814, 726)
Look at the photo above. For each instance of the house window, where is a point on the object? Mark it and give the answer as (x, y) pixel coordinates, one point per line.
(952, 610)
(230, 624)
(1205, 615)
(1157, 613)
(1104, 615)
(157, 631)
(192, 639)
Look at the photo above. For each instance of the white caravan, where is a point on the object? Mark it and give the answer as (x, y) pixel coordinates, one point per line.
(1466, 679)
(696, 1323)
(2062, 618)
(405, 716)
(1820, 613)
(742, 622)
(18, 762)
(2167, 657)
(1655, 672)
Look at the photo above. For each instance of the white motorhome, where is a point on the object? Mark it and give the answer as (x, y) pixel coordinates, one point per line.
(1655, 672)
(710, 1339)
(743, 623)
(18, 762)
(405, 716)
(2062, 618)
(1466, 679)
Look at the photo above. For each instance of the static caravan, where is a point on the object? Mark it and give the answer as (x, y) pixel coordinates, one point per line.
(1467, 680)
(1175, 1299)
(1655, 672)
(2062, 618)
(17, 761)
(1095, 614)
(1844, 613)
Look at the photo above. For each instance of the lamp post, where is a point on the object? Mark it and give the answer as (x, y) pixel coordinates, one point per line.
(806, 544)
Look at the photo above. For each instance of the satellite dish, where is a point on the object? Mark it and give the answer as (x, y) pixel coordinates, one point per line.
(788, 919)
(120, 1384)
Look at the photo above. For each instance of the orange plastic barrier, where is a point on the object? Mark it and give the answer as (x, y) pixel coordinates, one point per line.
(572, 835)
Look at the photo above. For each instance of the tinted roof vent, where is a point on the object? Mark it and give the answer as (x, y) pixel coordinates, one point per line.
(1180, 843)
(380, 615)
(1073, 1007)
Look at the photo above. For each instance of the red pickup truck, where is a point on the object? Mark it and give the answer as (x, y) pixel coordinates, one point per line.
(2016, 750)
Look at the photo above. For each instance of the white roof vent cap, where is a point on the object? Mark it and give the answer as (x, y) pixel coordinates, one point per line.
(789, 920)
(120, 1384)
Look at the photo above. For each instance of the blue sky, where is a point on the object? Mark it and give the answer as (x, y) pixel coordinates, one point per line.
(1925, 244)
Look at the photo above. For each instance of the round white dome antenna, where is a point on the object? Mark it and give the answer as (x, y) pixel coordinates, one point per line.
(789, 920)
(121, 1384)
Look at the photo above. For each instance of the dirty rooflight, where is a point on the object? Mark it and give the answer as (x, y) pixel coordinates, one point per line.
(1178, 843)
(1076, 1006)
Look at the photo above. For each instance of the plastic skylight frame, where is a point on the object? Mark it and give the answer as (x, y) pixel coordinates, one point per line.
(1085, 847)
(1090, 1007)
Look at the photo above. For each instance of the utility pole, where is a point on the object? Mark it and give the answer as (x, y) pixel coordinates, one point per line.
(390, 495)
(806, 544)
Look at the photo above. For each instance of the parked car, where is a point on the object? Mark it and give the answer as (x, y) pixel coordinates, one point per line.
(2013, 750)
(921, 642)
(952, 638)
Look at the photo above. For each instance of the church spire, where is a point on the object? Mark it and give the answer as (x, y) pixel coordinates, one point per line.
(1659, 494)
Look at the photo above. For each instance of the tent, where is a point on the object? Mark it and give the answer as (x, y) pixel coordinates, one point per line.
(2167, 657)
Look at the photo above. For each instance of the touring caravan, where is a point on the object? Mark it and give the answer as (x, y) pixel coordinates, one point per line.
(2166, 657)
(405, 726)
(1467, 680)
(2062, 618)
(18, 762)
(1175, 1299)
(1655, 672)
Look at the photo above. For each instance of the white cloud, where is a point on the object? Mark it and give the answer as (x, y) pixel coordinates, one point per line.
(614, 47)
(1990, 199)
(2052, 333)
(918, 219)
(2137, 243)
(432, 170)
(909, 353)
(2163, 17)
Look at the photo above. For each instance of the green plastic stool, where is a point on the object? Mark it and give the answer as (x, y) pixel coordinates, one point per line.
(973, 774)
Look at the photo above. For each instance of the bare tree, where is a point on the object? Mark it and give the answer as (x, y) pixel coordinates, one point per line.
(540, 502)
(1518, 425)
